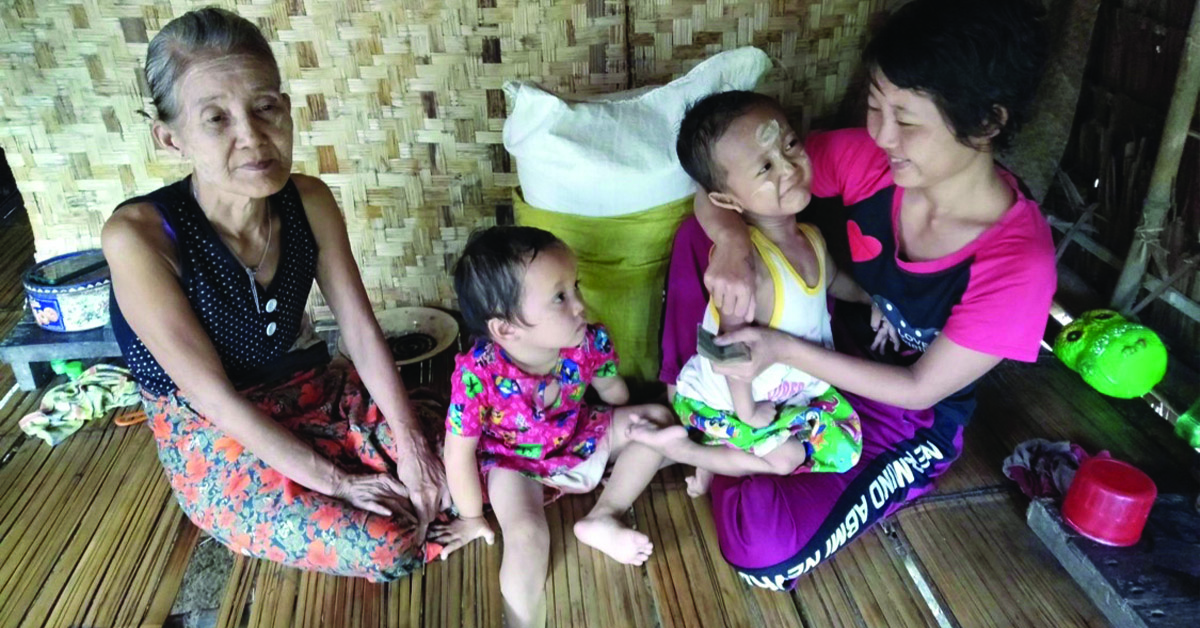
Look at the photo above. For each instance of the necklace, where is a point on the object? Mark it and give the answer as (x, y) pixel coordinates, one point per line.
(251, 271)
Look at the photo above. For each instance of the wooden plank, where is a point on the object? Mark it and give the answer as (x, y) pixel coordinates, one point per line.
(172, 575)
(118, 527)
(237, 591)
(990, 569)
(593, 592)
(104, 571)
(696, 561)
(1020, 401)
(670, 601)
(1152, 583)
(41, 528)
(877, 583)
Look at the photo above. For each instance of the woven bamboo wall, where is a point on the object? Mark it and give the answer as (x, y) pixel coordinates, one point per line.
(397, 103)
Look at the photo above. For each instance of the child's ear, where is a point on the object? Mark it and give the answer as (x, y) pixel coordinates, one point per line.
(725, 201)
(501, 329)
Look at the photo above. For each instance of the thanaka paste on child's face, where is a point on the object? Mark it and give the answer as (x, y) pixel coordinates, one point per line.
(768, 136)
(766, 168)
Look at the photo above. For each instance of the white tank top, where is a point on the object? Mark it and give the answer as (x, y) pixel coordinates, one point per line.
(799, 309)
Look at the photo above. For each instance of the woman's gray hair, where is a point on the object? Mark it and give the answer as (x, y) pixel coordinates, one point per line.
(201, 34)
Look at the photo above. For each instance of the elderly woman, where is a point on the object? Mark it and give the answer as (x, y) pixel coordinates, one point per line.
(268, 447)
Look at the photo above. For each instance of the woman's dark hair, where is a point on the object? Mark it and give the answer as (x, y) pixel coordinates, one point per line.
(489, 275)
(196, 35)
(702, 127)
(970, 56)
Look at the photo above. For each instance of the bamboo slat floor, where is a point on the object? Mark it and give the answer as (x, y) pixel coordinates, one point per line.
(90, 536)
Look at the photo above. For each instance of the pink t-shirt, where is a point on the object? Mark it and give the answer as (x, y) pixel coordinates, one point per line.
(992, 296)
(493, 399)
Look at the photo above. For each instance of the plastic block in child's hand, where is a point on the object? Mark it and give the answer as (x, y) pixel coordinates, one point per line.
(706, 346)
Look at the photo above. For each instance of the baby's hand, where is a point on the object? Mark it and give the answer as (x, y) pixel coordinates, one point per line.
(459, 532)
(884, 332)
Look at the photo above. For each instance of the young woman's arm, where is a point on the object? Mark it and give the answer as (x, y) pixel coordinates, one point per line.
(337, 275)
(944, 369)
(730, 277)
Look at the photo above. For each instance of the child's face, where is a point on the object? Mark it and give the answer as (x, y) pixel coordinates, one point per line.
(550, 304)
(766, 169)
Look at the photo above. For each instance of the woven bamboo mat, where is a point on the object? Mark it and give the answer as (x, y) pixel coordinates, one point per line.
(870, 583)
(989, 569)
(963, 557)
(89, 532)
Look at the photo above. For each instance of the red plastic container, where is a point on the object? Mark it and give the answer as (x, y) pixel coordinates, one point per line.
(1109, 501)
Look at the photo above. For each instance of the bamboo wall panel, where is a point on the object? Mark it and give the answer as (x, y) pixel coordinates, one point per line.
(397, 103)
(816, 46)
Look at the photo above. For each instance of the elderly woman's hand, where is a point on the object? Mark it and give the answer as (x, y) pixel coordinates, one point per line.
(379, 493)
(764, 343)
(421, 472)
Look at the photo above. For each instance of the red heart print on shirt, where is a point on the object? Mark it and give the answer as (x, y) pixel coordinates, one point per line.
(863, 248)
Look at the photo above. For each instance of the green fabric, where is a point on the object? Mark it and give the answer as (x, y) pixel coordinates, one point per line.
(66, 407)
(622, 272)
(828, 426)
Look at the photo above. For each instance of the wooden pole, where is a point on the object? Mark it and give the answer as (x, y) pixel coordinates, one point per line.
(1166, 167)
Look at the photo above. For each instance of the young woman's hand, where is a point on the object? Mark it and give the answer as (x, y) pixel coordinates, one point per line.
(379, 493)
(730, 281)
(457, 533)
(765, 346)
(884, 331)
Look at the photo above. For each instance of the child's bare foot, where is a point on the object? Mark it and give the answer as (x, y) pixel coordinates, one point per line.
(698, 482)
(605, 533)
(660, 439)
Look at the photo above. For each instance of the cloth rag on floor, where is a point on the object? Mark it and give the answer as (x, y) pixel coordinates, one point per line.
(1045, 469)
(66, 407)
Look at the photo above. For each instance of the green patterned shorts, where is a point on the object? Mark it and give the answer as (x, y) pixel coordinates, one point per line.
(828, 427)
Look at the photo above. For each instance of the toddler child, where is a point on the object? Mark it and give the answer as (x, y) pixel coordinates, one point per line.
(519, 431)
(740, 148)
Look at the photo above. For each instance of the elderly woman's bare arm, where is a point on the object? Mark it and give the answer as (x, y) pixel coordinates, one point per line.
(341, 285)
(145, 279)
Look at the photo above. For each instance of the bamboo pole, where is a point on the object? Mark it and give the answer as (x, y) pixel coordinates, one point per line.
(1166, 167)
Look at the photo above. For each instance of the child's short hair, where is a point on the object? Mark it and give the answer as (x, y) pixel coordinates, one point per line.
(489, 274)
(968, 56)
(702, 127)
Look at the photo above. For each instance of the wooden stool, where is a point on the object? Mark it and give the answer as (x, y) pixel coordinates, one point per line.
(29, 349)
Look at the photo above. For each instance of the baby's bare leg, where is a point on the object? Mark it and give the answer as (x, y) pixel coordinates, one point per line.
(634, 467)
(520, 509)
(673, 443)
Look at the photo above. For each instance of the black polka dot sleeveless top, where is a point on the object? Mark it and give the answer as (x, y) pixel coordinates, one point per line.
(252, 338)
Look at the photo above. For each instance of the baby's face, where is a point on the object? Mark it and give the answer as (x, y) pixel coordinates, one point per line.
(766, 169)
(551, 306)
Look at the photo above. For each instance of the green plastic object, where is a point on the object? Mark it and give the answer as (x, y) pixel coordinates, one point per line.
(72, 369)
(1117, 357)
(1188, 426)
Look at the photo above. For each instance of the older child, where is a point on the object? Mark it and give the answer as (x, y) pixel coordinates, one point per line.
(740, 148)
(519, 431)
